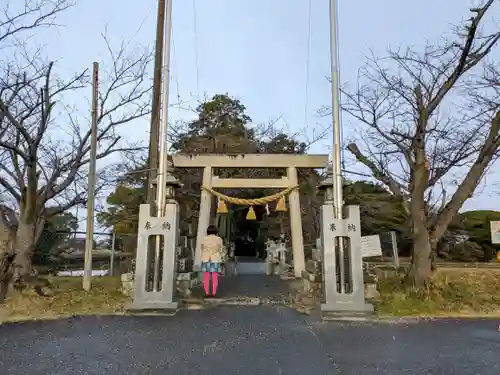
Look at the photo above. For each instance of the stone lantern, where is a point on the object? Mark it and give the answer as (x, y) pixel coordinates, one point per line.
(171, 185)
(325, 187)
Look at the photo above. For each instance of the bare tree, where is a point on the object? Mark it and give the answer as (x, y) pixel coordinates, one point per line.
(45, 141)
(19, 18)
(431, 128)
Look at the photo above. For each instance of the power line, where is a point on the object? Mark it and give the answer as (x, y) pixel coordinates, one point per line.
(308, 61)
(177, 87)
(195, 41)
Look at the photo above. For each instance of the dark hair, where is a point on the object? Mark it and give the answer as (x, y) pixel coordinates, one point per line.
(212, 229)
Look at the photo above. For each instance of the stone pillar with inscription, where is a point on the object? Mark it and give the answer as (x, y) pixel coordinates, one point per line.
(341, 302)
(166, 226)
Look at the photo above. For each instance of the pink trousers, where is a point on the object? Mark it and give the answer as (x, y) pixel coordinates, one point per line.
(206, 282)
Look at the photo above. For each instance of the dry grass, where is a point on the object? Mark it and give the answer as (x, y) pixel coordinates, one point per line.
(69, 299)
(452, 292)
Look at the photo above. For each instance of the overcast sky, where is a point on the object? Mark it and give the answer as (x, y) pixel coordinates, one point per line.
(256, 50)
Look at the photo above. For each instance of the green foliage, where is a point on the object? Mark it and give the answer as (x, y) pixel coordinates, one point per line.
(283, 144)
(220, 115)
(477, 225)
(123, 203)
(222, 126)
(380, 210)
(55, 235)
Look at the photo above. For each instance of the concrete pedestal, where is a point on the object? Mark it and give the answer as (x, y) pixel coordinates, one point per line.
(342, 305)
(167, 227)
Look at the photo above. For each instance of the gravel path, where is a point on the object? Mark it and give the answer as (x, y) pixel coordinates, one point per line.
(247, 340)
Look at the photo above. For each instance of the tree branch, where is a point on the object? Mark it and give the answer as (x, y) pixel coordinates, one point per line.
(30, 16)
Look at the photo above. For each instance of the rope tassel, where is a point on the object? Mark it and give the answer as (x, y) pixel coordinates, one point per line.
(221, 206)
(251, 214)
(281, 205)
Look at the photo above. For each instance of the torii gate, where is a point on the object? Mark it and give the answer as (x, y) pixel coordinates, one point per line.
(290, 162)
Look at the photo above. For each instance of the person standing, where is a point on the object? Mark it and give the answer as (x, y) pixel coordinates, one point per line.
(212, 249)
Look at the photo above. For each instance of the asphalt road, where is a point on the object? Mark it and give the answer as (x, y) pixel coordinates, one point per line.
(247, 340)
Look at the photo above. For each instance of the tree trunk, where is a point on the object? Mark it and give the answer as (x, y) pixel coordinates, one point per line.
(5, 274)
(6, 259)
(421, 260)
(421, 263)
(25, 244)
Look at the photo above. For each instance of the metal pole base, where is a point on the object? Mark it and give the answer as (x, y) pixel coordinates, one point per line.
(168, 308)
(167, 226)
(347, 305)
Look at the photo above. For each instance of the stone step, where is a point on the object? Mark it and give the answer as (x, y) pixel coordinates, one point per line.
(239, 301)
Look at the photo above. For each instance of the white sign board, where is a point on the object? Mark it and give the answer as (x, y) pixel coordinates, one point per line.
(495, 232)
(370, 246)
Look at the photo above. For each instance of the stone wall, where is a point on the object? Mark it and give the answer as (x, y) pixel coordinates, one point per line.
(313, 278)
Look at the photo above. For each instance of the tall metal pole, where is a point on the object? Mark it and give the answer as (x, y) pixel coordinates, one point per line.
(155, 107)
(163, 161)
(89, 240)
(338, 199)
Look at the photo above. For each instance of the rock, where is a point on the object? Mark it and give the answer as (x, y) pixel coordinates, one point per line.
(186, 276)
(316, 255)
(127, 277)
(371, 291)
(313, 266)
(307, 300)
(369, 273)
(128, 288)
(385, 274)
(127, 284)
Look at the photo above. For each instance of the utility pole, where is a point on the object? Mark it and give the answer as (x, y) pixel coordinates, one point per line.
(163, 131)
(163, 125)
(338, 198)
(89, 240)
(155, 107)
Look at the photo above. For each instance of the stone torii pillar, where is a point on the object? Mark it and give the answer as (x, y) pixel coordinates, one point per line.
(204, 215)
(299, 262)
